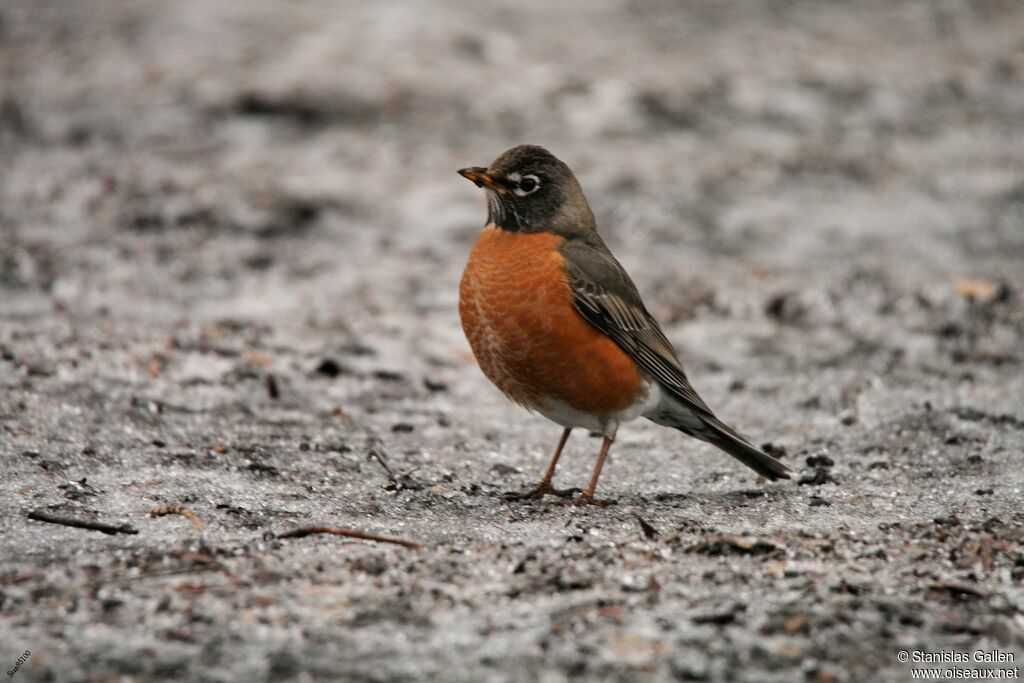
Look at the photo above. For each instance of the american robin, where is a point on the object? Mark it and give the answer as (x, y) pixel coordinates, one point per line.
(557, 324)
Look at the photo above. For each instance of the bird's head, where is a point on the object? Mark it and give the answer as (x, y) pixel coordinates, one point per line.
(530, 190)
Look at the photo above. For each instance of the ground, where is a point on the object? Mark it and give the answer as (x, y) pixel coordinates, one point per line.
(231, 235)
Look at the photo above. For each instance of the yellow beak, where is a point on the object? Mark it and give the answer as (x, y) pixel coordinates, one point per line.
(482, 178)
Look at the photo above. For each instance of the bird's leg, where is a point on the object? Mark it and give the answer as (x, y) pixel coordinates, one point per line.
(544, 486)
(588, 494)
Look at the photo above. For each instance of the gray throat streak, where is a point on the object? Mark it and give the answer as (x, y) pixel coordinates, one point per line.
(497, 213)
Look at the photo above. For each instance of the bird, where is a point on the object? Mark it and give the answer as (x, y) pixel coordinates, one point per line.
(556, 323)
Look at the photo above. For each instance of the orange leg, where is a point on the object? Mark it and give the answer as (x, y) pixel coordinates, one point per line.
(588, 494)
(544, 486)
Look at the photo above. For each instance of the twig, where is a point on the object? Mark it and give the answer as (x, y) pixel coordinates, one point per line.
(649, 531)
(178, 571)
(164, 510)
(401, 482)
(197, 563)
(272, 389)
(986, 553)
(349, 533)
(379, 457)
(44, 516)
(13, 579)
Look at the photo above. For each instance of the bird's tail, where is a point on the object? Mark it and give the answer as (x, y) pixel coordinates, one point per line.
(725, 437)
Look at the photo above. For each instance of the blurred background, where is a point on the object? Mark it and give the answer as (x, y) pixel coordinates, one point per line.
(231, 235)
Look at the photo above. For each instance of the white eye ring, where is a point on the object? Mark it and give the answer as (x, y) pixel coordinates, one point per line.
(534, 184)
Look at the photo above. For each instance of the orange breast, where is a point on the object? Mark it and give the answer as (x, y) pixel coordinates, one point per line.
(517, 313)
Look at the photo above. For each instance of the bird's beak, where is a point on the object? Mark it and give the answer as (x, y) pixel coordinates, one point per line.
(482, 178)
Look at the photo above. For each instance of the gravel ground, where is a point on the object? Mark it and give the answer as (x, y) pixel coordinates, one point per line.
(230, 241)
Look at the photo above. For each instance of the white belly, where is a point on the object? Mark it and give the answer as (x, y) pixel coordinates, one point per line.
(649, 398)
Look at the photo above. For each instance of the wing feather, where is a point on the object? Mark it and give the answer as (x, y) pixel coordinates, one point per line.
(606, 297)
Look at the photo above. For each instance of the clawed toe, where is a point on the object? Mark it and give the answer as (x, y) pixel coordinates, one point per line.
(541, 490)
(590, 500)
(546, 489)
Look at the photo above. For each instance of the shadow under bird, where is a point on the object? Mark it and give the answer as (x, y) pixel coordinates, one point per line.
(558, 325)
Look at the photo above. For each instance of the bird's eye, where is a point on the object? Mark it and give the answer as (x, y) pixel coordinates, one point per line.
(527, 185)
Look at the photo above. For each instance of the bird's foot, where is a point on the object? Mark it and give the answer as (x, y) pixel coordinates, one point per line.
(588, 499)
(540, 490)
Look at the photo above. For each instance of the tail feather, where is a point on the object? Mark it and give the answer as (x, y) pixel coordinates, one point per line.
(706, 427)
(724, 437)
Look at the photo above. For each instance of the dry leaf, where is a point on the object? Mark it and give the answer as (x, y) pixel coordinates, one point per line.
(981, 291)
